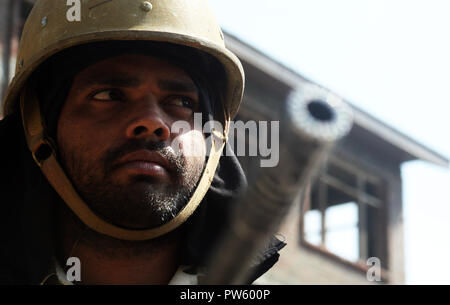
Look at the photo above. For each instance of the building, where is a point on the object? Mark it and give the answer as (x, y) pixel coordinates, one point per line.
(353, 212)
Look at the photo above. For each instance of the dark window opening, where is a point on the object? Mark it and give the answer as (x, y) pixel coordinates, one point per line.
(343, 214)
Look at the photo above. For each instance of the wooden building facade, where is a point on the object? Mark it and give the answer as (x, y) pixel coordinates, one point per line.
(351, 218)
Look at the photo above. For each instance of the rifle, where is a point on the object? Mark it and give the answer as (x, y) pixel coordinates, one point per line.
(314, 120)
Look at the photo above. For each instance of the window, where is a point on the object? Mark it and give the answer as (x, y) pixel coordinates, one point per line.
(343, 214)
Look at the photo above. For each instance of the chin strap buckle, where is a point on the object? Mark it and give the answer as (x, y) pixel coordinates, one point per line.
(42, 150)
(41, 147)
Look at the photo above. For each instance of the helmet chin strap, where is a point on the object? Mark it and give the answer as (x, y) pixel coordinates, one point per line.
(44, 154)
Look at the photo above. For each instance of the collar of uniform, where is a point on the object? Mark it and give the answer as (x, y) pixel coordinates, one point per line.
(56, 276)
(183, 276)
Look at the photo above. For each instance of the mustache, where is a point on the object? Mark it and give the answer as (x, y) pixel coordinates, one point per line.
(177, 163)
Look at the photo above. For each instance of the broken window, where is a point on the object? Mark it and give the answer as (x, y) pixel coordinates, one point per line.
(343, 213)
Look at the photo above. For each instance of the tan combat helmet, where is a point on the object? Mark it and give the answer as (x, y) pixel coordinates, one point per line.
(48, 31)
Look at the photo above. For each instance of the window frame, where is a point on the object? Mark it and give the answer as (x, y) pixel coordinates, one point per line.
(362, 200)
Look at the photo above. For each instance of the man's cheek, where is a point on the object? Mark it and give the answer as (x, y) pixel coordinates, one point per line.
(80, 159)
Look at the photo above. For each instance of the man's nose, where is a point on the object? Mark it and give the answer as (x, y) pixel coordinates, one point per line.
(148, 122)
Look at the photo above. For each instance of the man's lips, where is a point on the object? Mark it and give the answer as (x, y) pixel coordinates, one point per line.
(144, 162)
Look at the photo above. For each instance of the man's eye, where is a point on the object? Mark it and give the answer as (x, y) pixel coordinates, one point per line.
(108, 95)
(181, 101)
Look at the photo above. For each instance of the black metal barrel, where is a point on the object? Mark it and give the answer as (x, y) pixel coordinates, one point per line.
(313, 122)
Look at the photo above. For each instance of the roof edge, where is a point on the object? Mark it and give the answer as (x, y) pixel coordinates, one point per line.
(292, 79)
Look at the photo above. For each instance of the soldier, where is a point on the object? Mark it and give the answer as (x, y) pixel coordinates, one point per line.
(92, 166)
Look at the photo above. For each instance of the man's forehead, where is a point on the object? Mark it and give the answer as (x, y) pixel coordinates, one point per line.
(131, 70)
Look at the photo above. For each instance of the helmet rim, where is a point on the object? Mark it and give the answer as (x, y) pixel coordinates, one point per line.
(231, 64)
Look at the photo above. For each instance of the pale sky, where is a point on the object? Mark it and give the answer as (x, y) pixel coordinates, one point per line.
(390, 58)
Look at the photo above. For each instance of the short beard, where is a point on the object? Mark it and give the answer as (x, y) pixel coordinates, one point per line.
(143, 202)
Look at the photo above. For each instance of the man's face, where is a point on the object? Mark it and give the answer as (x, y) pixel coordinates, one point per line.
(114, 135)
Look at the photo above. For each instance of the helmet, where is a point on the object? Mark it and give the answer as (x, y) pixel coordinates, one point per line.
(50, 29)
